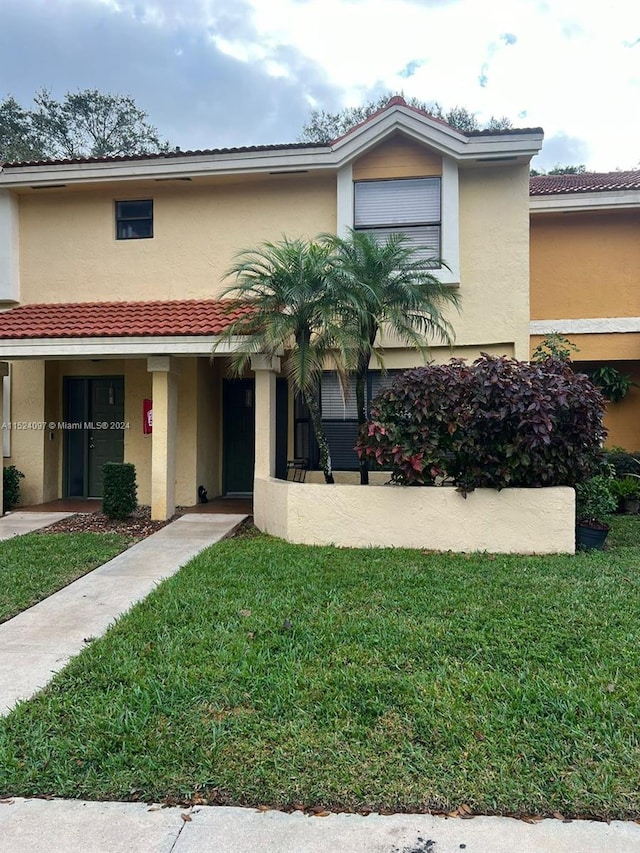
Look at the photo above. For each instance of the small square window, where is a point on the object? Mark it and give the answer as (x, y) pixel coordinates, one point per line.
(134, 219)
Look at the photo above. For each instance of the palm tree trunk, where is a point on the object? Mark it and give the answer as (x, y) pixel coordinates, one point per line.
(311, 399)
(361, 407)
(362, 371)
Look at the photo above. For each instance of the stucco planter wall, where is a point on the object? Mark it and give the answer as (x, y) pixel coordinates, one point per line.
(521, 521)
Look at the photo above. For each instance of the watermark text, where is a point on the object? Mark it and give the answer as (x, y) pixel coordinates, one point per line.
(63, 425)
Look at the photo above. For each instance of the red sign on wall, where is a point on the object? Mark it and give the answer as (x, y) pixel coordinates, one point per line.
(147, 417)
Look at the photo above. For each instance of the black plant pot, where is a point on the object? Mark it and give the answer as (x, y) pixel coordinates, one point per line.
(588, 538)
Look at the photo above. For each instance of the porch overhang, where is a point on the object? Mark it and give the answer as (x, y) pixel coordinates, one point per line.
(117, 347)
(118, 329)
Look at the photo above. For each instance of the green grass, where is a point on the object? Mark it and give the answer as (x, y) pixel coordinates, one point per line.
(34, 566)
(368, 679)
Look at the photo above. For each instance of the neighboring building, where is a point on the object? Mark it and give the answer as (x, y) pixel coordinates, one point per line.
(110, 269)
(585, 278)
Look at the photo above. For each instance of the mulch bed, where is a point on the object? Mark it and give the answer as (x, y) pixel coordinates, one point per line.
(138, 526)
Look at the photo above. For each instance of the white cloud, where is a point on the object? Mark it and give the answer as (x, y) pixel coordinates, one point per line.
(565, 65)
(569, 66)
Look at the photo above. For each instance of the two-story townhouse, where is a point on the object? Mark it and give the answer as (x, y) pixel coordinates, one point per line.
(585, 278)
(111, 271)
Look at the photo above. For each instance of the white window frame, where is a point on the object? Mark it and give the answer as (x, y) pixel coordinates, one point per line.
(409, 206)
(449, 216)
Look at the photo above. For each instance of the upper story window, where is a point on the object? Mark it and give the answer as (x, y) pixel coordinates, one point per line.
(407, 205)
(134, 219)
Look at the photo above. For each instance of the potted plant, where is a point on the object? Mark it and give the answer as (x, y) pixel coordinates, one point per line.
(627, 493)
(594, 502)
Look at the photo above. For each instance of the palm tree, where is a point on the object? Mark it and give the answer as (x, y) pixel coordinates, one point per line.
(286, 284)
(390, 288)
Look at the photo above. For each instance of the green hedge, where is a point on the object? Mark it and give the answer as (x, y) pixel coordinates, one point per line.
(11, 487)
(119, 489)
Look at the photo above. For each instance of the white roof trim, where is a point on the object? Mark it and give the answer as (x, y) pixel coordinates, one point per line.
(442, 138)
(587, 326)
(112, 347)
(449, 142)
(604, 200)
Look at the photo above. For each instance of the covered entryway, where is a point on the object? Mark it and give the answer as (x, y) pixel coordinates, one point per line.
(238, 436)
(88, 367)
(93, 431)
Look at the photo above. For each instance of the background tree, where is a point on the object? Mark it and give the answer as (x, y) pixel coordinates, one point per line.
(18, 141)
(93, 124)
(84, 124)
(324, 126)
(287, 289)
(385, 287)
(577, 169)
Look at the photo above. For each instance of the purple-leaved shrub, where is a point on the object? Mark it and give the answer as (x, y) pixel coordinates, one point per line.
(497, 422)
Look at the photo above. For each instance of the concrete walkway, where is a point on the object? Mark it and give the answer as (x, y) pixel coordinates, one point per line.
(69, 826)
(38, 642)
(16, 523)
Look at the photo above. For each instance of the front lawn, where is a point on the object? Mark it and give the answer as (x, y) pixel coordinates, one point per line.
(35, 565)
(268, 673)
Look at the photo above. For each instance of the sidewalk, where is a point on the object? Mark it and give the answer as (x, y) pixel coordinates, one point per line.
(38, 642)
(70, 826)
(16, 523)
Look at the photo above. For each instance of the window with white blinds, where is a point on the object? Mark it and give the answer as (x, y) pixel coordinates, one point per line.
(410, 206)
(334, 403)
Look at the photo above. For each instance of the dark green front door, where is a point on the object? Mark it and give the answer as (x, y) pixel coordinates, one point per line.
(238, 436)
(94, 431)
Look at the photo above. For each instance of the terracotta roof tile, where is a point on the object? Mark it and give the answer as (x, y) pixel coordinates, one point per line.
(587, 182)
(117, 319)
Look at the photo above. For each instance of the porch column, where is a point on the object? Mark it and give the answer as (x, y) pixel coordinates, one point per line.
(164, 394)
(4, 371)
(265, 369)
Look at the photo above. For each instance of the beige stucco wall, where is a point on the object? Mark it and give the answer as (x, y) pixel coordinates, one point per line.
(187, 434)
(540, 521)
(53, 441)
(27, 445)
(137, 445)
(68, 250)
(494, 258)
(398, 157)
(403, 358)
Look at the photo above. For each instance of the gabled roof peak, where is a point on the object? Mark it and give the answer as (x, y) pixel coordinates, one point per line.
(396, 100)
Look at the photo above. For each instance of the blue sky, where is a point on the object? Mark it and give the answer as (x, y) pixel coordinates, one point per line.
(214, 73)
